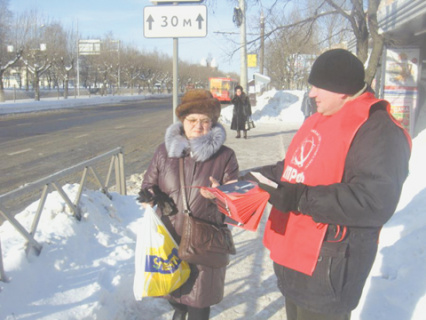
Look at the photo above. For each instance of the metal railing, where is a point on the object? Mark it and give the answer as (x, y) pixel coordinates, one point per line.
(116, 164)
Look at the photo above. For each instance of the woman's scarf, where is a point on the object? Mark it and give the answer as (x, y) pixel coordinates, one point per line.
(200, 148)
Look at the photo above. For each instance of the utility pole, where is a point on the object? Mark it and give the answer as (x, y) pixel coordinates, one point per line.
(78, 67)
(262, 43)
(243, 67)
(175, 76)
(78, 63)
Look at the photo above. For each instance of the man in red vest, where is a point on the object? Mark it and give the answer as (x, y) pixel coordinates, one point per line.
(339, 183)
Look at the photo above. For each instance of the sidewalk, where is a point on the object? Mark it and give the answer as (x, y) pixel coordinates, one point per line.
(264, 146)
(250, 289)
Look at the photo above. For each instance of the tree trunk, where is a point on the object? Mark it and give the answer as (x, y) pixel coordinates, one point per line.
(373, 63)
(66, 86)
(27, 80)
(36, 87)
(66, 89)
(2, 98)
(377, 39)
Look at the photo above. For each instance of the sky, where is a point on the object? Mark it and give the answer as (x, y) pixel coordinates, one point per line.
(124, 18)
(86, 268)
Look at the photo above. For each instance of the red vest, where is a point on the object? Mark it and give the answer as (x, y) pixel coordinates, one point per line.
(316, 156)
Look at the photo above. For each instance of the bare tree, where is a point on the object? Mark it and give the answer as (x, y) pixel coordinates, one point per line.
(131, 66)
(48, 53)
(32, 32)
(287, 49)
(65, 43)
(8, 54)
(362, 19)
(336, 19)
(362, 16)
(110, 56)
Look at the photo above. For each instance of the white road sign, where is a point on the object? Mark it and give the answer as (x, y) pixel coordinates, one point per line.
(184, 21)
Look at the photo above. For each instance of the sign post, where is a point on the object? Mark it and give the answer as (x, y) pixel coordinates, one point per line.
(175, 22)
(86, 48)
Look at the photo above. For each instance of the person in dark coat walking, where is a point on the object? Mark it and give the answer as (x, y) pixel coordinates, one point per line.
(308, 106)
(198, 138)
(241, 113)
(340, 182)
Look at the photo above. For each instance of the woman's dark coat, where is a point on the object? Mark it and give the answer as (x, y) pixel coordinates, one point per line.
(242, 110)
(375, 169)
(203, 157)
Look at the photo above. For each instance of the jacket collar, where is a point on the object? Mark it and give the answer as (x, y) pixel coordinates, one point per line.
(200, 149)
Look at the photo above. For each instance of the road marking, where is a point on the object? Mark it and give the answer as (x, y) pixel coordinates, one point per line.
(120, 127)
(19, 152)
(81, 136)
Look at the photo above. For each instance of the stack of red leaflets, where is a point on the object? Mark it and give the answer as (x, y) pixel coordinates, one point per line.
(242, 202)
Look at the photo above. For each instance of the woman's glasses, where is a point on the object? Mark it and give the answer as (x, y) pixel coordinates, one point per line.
(204, 122)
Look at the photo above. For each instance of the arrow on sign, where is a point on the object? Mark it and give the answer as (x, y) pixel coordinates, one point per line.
(150, 20)
(200, 21)
(174, 21)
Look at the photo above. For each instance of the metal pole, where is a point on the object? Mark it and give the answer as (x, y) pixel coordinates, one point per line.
(262, 43)
(78, 68)
(2, 274)
(119, 68)
(123, 188)
(175, 77)
(243, 67)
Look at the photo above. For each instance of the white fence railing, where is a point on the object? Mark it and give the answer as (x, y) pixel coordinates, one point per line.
(116, 165)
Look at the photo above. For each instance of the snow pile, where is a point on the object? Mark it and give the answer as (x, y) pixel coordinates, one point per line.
(273, 107)
(29, 105)
(84, 266)
(397, 282)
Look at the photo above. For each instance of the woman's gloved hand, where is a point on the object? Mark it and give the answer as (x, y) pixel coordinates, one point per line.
(154, 196)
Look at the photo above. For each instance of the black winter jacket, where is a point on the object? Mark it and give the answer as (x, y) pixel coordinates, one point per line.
(376, 167)
(241, 112)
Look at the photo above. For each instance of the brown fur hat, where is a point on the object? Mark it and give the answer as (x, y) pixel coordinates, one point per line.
(199, 101)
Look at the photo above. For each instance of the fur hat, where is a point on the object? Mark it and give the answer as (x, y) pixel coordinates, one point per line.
(199, 101)
(338, 71)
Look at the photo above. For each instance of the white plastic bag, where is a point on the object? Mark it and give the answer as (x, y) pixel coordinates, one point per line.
(158, 269)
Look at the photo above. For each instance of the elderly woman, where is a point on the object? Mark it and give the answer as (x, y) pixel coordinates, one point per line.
(198, 138)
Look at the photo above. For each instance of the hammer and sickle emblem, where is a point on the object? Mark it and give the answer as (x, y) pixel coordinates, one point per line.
(304, 152)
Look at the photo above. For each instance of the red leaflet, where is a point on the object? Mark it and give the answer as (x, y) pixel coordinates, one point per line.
(242, 202)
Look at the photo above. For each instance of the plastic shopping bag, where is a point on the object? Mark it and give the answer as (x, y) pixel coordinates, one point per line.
(158, 269)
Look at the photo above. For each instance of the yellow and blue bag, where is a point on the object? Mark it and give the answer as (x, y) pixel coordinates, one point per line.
(158, 269)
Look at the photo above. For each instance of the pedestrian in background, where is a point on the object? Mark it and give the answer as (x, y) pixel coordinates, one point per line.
(338, 185)
(241, 113)
(198, 139)
(308, 106)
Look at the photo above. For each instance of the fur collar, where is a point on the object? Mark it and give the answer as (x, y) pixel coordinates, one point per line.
(201, 148)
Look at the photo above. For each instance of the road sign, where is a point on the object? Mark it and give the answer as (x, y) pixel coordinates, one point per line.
(175, 21)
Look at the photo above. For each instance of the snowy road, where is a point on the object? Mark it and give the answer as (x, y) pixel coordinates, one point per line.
(35, 145)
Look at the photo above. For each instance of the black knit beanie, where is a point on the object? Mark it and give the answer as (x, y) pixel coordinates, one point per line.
(338, 71)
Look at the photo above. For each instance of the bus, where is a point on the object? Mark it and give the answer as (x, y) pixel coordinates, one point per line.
(222, 88)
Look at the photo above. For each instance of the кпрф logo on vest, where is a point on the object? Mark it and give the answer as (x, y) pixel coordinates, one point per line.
(302, 158)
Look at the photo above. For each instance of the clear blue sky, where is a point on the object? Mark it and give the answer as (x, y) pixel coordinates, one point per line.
(124, 18)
